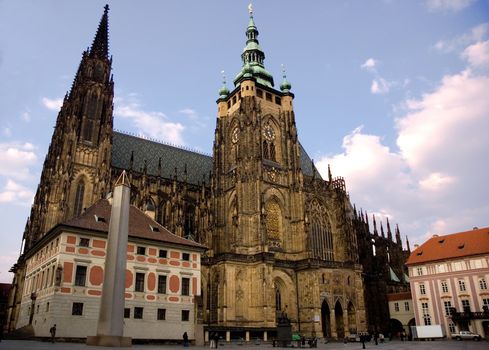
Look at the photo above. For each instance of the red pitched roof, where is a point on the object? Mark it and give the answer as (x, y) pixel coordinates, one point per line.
(140, 224)
(399, 296)
(456, 245)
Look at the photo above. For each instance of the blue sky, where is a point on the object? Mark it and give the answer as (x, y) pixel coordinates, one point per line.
(393, 94)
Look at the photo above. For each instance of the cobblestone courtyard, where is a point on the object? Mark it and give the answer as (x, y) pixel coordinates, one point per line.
(392, 345)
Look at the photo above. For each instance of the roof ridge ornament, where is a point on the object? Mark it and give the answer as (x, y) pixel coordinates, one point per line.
(250, 9)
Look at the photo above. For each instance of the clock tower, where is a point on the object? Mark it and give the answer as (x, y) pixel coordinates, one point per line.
(259, 202)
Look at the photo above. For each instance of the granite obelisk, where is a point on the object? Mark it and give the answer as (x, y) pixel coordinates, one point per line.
(110, 326)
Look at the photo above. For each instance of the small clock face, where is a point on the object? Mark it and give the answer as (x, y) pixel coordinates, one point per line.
(268, 133)
(235, 135)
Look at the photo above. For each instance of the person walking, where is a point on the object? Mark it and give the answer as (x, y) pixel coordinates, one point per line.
(362, 339)
(52, 330)
(185, 339)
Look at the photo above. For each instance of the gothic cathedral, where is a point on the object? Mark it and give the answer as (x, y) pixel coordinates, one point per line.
(282, 241)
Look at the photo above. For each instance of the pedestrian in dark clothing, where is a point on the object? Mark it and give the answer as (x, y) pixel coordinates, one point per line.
(376, 338)
(362, 339)
(52, 330)
(216, 340)
(185, 339)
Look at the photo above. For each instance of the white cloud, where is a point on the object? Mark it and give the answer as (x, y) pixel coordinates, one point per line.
(7, 131)
(477, 54)
(153, 124)
(52, 104)
(380, 86)
(16, 193)
(476, 34)
(447, 5)
(16, 159)
(436, 181)
(369, 64)
(26, 116)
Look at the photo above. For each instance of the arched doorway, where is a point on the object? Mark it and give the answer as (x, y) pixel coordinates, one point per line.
(340, 325)
(412, 322)
(325, 314)
(395, 327)
(352, 319)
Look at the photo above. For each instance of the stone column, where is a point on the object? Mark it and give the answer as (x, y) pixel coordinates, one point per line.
(110, 327)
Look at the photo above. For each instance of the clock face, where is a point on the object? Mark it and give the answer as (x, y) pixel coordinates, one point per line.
(235, 135)
(268, 133)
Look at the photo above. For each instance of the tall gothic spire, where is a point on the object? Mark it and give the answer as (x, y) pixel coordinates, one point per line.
(100, 45)
(253, 57)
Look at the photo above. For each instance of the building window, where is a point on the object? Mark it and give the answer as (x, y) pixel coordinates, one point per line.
(186, 256)
(482, 284)
(81, 275)
(444, 286)
(426, 314)
(406, 306)
(80, 191)
(139, 285)
(396, 307)
(461, 285)
(141, 250)
(162, 253)
(185, 315)
(448, 307)
(185, 286)
(84, 242)
(77, 309)
(47, 306)
(161, 314)
(162, 284)
(485, 304)
(138, 313)
(37, 309)
(451, 327)
(127, 312)
(466, 305)
(422, 289)
(419, 270)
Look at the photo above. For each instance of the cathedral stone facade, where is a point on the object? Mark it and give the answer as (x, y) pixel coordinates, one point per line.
(282, 241)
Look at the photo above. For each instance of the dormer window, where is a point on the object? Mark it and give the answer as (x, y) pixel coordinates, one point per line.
(154, 228)
(99, 218)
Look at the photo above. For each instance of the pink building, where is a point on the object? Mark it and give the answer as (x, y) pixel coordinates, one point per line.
(65, 269)
(449, 277)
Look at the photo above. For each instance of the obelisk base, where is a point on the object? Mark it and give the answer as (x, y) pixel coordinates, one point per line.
(109, 340)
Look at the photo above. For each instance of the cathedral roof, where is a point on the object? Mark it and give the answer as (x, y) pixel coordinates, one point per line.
(198, 165)
(456, 245)
(97, 218)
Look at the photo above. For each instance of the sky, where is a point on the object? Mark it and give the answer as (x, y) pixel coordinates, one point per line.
(393, 94)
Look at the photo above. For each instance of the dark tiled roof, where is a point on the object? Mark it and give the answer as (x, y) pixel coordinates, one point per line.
(198, 165)
(139, 224)
(306, 163)
(456, 245)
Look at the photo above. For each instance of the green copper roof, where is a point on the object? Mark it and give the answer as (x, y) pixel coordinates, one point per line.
(393, 275)
(254, 56)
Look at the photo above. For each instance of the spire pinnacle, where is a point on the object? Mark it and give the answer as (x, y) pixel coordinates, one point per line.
(223, 91)
(253, 57)
(100, 45)
(285, 86)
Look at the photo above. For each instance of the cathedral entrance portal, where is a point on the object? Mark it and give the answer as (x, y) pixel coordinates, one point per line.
(325, 319)
(338, 313)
